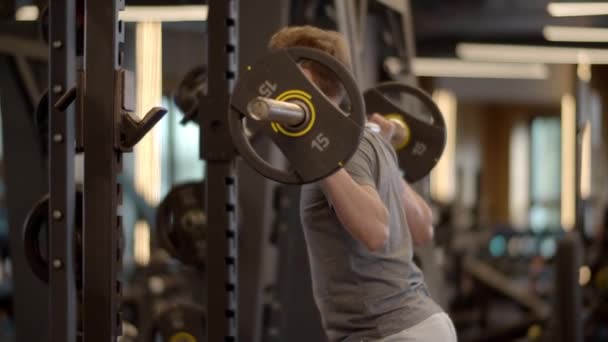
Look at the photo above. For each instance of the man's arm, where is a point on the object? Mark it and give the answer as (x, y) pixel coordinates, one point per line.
(359, 208)
(419, 216)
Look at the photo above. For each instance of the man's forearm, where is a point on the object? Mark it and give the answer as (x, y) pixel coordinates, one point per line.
(419, 215)
(358, 208)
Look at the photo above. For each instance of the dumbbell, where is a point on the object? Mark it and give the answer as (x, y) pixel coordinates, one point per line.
(179, 322)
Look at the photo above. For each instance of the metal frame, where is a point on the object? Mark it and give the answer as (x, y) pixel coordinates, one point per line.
(62, 74)
(103, 161)
(351, 17)
(294, 318)
(257, 254)
(18, 46)
(351, 26)
(568, 324)
(27, 76)
(217, 149)
(22, 50)
(25, 177)
(409, 37)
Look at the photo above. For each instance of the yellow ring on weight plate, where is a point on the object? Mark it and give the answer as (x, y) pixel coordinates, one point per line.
(182, 337)
(304, 97)
(408, 133)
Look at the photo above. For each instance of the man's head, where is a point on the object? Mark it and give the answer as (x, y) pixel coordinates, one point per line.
(330, 42)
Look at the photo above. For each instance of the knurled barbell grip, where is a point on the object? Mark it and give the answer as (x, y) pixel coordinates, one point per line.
(285, 113)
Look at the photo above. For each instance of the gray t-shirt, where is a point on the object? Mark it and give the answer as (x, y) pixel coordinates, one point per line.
(364, 295)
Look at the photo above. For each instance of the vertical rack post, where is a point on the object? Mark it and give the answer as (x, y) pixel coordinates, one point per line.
(103, 161)
(350, 25)
(409, 39)
(567, 291)
(217, 150)
(62, 75)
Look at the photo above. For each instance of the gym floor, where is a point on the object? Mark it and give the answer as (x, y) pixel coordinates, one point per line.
(501, 128)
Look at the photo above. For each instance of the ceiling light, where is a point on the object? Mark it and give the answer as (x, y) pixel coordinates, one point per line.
(165, 13)
(575, 9)
(443, 176)
(575, 34)
(395, 5)
(585, 162)
(531, 54)
(452, 67)
(568, 160)
(27, 13)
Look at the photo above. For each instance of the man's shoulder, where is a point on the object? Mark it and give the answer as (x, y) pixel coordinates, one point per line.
(374, 142)
(378, 148)
(369, 141)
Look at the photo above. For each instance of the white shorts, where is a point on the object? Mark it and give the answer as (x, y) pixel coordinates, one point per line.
(438, 327)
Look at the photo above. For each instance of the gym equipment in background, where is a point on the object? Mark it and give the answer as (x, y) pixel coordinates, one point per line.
(190, 89)
(181, 224)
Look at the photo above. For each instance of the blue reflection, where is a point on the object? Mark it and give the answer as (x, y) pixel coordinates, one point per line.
(498, 246)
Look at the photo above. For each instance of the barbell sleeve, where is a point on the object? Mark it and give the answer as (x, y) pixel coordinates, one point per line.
(285, 113)
(401, 136)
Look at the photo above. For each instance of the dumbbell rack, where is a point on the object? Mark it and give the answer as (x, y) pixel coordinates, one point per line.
(218, 151)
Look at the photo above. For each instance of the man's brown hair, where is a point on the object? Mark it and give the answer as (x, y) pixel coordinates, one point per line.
(330, 42)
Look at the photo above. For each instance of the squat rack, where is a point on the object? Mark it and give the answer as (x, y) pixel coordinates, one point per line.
(104, 132)
(108, 131)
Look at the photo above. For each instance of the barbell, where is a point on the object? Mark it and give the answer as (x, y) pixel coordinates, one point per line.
(317, 136)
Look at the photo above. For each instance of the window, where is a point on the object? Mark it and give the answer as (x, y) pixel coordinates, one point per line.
(180, 149)
(545, 180)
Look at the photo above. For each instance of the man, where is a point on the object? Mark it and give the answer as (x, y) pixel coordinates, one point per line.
(360, 226)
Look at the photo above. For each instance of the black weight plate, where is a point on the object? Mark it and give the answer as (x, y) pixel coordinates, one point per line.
(36, 223)
(43, 22)
(41, 120)
(427, 139)
(190, 90)
(327, 144)
(181, 224)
